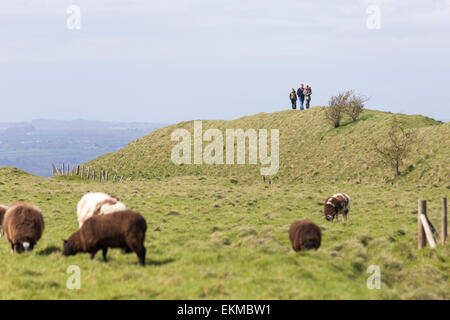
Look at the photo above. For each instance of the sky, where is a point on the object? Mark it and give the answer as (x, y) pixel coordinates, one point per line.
(171, 61)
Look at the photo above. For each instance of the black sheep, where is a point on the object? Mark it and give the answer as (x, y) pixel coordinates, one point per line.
(122, 229)
(305, 235)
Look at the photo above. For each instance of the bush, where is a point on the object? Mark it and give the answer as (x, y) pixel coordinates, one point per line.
(344, 103)
(335, 111)
(395, 147)
(355, 106)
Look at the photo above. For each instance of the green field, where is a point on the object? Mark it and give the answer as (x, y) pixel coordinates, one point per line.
(211, 238)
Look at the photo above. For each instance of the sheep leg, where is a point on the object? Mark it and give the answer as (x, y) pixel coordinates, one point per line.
(93, 255)
(105, 251)
(141, 256)
(337, 217)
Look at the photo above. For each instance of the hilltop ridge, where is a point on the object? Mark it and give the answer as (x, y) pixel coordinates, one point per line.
(310, 150)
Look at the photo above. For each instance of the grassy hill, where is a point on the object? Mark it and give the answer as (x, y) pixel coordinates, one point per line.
(210, 238)
(310, 151)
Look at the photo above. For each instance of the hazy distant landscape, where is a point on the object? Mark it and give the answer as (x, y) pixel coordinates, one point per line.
(34, 146)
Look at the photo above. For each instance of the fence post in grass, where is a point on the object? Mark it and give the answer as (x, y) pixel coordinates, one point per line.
(78, 170)
(93, 174)
(428, 232)
(107, 175)
(421, 240)
(444, 220)
(55, 171)
(114, 178)
(88, 174)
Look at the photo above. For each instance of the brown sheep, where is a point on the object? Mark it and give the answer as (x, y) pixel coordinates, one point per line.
(24, 225)
(305, 235)
(2, 215)
(339, 202)
(122, 229)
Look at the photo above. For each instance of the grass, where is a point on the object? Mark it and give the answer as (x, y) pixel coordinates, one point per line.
(310, 150)
(209, 238)
(219, 232)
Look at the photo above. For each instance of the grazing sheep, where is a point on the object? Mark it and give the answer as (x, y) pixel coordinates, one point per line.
(340, 202)
(97, 203)
(123, 230)
(3, 209)
(24, 225)
(305, 235)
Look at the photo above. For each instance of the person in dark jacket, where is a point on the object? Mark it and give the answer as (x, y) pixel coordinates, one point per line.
(293, 98)
(301, 97)
(307, 93)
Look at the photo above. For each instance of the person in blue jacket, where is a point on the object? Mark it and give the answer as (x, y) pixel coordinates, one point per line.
(301, 97)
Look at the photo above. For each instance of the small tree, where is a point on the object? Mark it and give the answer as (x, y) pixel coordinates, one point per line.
(335, 111)
(355, 106)
(394, 148)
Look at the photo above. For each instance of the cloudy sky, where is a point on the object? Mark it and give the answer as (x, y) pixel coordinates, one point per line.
(170, 61)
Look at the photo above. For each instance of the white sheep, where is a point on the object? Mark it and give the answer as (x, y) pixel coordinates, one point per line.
(97, 203)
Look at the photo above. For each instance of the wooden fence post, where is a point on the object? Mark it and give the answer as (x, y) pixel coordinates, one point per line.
(88, 174)
(444, 220)
(421, 240)
(428, 232)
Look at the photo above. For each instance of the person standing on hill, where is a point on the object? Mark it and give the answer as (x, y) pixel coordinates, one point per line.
(301, 97)
(293, 98)
(307, 93)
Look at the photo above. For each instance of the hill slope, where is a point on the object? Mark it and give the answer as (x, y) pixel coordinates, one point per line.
(310, 151)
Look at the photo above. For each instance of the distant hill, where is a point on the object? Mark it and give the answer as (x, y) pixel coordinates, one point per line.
(34, 146)
(309, 150)
(80, 124)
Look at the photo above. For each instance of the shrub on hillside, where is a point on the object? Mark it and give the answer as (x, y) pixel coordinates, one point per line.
(335, 111)
(355, 106)
(344, 103)
(395, 146)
